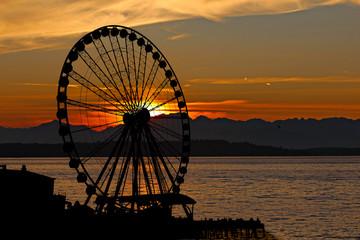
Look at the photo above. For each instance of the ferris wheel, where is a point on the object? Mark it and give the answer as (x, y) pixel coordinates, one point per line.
(124, 120)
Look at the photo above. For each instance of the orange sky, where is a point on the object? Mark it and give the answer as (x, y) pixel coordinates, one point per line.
(281, 60)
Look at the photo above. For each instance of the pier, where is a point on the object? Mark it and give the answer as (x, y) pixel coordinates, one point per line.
(28, 196)
(229, 229)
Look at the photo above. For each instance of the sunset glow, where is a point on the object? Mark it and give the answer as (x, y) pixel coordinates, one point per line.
(99, 121)
(234, 59)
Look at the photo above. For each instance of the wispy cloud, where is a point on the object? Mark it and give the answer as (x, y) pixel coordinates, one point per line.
(44, 85)
(27, 25)
(178, 36)
(268, 81)
(243, 110)
(239, 105)
(37, 84)
(218, 103)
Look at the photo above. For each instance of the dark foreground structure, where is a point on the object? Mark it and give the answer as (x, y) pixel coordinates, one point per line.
(24, 193)
(29, 207)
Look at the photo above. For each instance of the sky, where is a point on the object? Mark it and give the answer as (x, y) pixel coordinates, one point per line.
(273, 59)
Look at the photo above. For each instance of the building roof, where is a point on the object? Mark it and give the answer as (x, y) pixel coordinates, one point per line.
(22, 174)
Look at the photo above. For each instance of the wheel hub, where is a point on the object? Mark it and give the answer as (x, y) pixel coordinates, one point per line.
(140, 116)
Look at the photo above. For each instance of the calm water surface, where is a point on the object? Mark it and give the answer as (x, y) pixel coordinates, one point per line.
(296, 197)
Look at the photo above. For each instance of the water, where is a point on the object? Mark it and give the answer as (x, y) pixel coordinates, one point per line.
(296, 197)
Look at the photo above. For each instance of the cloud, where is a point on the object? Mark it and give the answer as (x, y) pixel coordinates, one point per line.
(37, 84)
(244, 110)
(179, 36)
(9, 44)
(269, 80)
(219, 103)
(239, 105)
(27, 25)
(44, 85)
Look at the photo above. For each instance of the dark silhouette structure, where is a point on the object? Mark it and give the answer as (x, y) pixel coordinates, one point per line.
(132, 88)
(24, 193)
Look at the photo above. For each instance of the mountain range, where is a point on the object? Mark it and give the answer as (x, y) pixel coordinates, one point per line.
(290, 134)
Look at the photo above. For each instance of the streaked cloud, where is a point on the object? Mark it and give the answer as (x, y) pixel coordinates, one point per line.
(44, 85)
(176, 35)
(269, 80)
(37, 84)
(244, 110)
(179, 36)
(27, 25)
(240, 105)
(219, 103)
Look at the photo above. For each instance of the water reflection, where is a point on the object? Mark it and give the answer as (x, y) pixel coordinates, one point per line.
(296, 197)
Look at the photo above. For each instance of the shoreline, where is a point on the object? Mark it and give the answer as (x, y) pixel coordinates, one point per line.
(199, 148)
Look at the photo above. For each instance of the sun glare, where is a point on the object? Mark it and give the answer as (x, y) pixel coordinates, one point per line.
(99, 121)
(156, 111)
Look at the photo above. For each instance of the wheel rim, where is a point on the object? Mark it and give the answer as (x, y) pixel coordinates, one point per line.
(123, 117)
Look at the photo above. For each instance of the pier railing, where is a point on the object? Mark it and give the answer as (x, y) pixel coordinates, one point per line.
(226, 228)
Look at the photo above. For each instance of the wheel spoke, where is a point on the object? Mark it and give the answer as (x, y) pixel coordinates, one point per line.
(125, 64)
(166, 130)
(93, 107)
(168, 144)
(141, 73)
(124, 170)
(134, 72)
(135, 166)
(98, 72)
(150, 80)
(161, 104)
(95, 89)
(110, 67)
(129, 72)
(155, 153)
(98, 126)
(149, 162)
(147, 79)
(158, 152)
(146, 177)
(101, 146)
(119, 144)
(157, 91)
(115, 44)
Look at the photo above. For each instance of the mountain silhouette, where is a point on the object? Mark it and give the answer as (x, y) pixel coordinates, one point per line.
(291, 133)
(44, 133)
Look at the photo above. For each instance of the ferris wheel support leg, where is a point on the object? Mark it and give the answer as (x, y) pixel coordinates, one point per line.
(158, 151)
(119, 142)
(122, 176)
